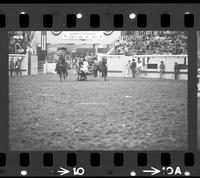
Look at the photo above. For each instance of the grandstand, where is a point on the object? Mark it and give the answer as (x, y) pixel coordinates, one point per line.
(150, 43)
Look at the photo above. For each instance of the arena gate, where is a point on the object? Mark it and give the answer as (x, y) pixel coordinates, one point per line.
(29, 63)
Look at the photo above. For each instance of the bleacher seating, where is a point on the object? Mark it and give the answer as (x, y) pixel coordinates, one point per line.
(151, 43)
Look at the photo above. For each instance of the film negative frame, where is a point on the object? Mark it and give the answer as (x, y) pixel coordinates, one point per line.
(183, 17)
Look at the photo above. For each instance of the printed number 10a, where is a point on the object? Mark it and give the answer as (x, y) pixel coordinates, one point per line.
(171, 171)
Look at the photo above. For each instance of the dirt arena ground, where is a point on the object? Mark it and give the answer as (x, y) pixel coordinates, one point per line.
(121, 114)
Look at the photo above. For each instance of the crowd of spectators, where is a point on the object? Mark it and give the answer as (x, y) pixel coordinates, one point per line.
(19, 42)
(151, 43)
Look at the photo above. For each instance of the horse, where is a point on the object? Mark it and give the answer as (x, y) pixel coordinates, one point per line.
(62, 70)
(102, 68)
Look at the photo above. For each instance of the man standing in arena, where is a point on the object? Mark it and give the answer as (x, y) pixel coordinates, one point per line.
(12, 66)
(133, 67)
(176, 70)
(162, 69)
(139, 68)
(85, 65)
(18, 66)
(128, 68)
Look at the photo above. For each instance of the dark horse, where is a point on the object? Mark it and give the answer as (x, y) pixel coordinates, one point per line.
(102, 68)
(61, 68)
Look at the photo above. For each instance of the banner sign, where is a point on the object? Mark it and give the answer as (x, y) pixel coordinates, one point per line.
(81, 35)
(56, 33)
(107, 33)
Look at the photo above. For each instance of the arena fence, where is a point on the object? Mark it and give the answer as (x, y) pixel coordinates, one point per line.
(150, 65)
(117, 65)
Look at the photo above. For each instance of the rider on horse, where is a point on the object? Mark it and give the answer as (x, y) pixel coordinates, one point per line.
(61, 63)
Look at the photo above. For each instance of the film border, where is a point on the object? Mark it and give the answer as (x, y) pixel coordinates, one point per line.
(106, 12)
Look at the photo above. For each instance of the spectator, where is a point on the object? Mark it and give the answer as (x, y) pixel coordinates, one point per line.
(29, 50)
(21, 50)
(162, 68)
(149, 43)
(17, 47)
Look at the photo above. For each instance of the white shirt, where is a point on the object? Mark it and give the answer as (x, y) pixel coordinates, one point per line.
(85, 66)
(128, 65)
(85, 63)
(139, 65)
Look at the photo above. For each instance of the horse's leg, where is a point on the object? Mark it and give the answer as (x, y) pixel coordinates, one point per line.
(60, 75)
(104, 75)
(83, 76)
(66, 72)
(64, 75)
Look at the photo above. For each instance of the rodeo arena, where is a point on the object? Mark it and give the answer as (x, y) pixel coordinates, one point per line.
(97, 90)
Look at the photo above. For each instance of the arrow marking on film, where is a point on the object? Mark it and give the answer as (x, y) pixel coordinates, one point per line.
(153, 171)
(63, 171)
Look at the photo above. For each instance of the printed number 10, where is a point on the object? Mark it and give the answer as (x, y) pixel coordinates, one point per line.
(78, 171)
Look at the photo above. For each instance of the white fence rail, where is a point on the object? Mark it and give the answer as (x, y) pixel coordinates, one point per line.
(117, 65)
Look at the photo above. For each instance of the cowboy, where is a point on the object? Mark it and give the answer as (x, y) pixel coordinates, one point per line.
(85, 66)
(139, 68)
(176, 70)
(133, 67)
(18, 66)
(128, 67)
(12, 66)
(162, 68)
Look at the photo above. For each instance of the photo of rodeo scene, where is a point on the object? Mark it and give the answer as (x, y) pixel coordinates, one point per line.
(97, 90)
(198, 85)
